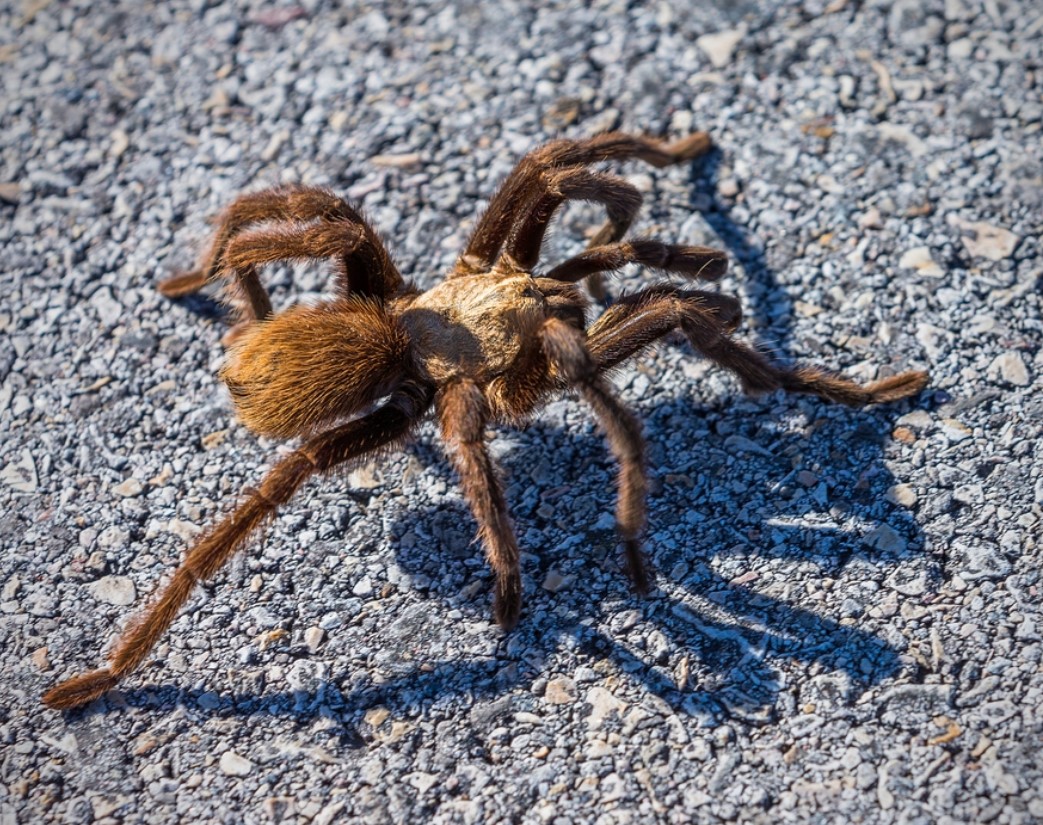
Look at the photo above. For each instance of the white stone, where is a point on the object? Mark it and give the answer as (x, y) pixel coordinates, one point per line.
(21, 475)
(968, 494)
(1011, 368)
(902, 495)
(871, 219)
(931, 337)
(366, 477)
(108, 308)
(306, 676)
(908, 582)
(885, 539)
(364, 587)
(979, 561)
(955, 431)
(113, 536)
(184, 530)
(233, 764)
(129, 488)
(560, 691)
(404, 161)
(120, 143)
(919, 258)
(903, 135)
(602, 703)
(917, 419)
(554, 581)
(423, 782)
(983, 240)
(741, 444)
(313, 637)
(720, 47)
(117, 590)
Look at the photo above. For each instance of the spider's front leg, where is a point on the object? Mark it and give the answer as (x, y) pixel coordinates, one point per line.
(463, 414)
(567, 352)
(390, 424)
(621, 201)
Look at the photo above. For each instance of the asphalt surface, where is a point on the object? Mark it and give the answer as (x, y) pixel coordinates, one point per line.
(847, 623)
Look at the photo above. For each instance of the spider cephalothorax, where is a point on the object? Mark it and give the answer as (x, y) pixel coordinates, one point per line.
(357, 374)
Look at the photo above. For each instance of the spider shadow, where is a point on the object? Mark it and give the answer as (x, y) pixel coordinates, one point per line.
(205, 305)
(766, 300)
(733, 633)
(733, 649)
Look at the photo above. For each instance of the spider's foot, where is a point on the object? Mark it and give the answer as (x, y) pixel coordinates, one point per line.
(731, 323)
(72, 693)
(708, 264)
(897, 386)
(182, 284)
(507, 604)
(636, 567)
(728, 311)
(696, 144)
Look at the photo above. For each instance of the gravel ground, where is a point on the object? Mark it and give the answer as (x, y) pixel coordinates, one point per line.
(847, 626)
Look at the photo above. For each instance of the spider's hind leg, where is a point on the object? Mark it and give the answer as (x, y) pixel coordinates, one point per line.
(289, 223)
(182, 284)
(384, 427)
(276, 204)
(759, 374)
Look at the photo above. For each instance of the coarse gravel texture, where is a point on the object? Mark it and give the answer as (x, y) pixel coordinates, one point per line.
(847, 625)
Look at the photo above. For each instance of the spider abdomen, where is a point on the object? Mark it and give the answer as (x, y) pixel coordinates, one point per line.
(312, 365)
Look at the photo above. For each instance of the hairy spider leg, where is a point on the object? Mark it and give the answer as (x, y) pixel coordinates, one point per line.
(637, 320)
(568, 353)
(382, 429)
(527, 181)
(364, 266)
(700, 262)
(620, 199)
(463, 414)
(282, 203)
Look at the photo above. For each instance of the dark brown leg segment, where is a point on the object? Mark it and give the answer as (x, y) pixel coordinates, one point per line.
(620, 199)
(637, 320)
(692, 261)
(565, 349)
(640, 319)
(343, 242)
(289, 203)
(463, 414)
(379, 430)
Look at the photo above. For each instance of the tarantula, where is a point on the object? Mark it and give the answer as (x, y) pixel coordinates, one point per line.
(356, 374)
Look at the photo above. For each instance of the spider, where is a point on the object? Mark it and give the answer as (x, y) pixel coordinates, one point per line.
(356, 374)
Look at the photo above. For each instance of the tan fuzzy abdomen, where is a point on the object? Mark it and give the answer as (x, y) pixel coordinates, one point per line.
(311, 366)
